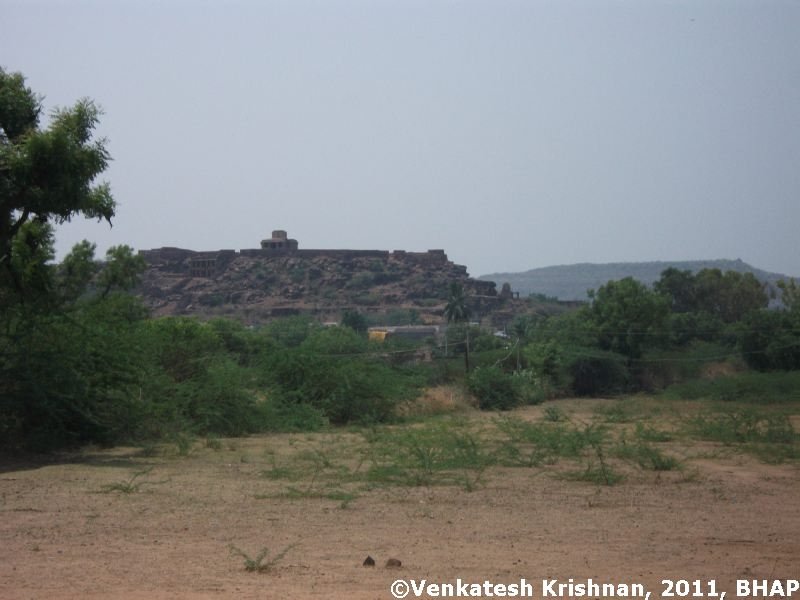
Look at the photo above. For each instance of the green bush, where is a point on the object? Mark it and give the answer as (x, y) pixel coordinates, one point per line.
(333, 371)
(597, 373)
(493, 388)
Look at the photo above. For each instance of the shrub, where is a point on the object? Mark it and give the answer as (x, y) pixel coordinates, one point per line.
(598, 373)
(494, 389)
(332, 371)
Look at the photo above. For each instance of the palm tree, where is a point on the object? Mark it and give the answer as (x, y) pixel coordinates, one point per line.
(457, 311)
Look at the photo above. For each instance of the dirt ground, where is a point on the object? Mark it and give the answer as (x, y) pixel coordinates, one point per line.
(73, 530)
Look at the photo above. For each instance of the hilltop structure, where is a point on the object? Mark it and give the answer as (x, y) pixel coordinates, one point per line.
(280, 278)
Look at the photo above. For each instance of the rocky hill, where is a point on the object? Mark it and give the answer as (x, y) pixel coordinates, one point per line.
(276, 280)
(571, 282)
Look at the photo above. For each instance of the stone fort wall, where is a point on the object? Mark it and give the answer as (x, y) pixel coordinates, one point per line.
(207, 263)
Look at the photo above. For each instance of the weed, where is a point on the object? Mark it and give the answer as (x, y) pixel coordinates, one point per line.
(214, 443)
(651, 434)
(554, 414)
(620, 412)
(439, 453)
(597, 471)
(183, 443)
(533, 444)
(768, 436)
(647, 457)
(742, 426)
(257, 564)
(130, 485)
(599, 474)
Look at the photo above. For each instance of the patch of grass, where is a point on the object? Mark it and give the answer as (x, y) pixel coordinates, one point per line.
(319, 470)
(439, 453)
(743, 426)
(213, 443)
(768, 436)
(130, 485)
(260, 563)
(622, 411)
(183, 443)
(647, 433)
(750, 388)
(554, 414)
(596, 473)
(597, 470)
(646, 456)
(534, 444)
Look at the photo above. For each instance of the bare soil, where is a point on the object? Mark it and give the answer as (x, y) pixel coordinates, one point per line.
(73, 530)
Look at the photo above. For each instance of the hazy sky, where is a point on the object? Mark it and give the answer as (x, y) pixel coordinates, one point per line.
(511, 134)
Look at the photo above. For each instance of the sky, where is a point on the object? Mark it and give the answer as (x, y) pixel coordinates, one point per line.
(511, 134)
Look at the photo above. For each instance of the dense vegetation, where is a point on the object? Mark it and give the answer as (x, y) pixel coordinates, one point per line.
(81, 361)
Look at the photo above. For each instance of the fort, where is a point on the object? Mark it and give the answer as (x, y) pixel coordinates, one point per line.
(280, 278)
(208, 263)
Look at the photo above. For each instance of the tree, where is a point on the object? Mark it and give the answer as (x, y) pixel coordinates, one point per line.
(46, 175)
(457, 311)
(790, 295)
(730, 295)
(65, 363)
(628, 316)
(355, 321)
(679, 287)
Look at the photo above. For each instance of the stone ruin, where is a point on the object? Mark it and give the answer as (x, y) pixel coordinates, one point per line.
(209, 263)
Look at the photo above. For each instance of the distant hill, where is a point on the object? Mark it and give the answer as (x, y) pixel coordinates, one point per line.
(571, 282)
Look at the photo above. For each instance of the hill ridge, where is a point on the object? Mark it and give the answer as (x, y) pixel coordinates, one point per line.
(571, 281)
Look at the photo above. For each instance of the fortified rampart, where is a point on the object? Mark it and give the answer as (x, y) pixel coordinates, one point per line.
(207, 263)
(280, 279)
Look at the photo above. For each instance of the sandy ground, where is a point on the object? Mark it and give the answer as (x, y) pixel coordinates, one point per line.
(65, 534)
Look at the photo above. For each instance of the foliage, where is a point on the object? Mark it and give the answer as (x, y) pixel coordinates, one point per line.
(457, 311)
(355, 321)
(628, 316)
(727, 296)
(597, 373)
(646, 456)
(494, 388)
(435, 453)
(739, 426)
(47, 176)
(256, 564)
(770, 340)
(790, 294)
(334, 371)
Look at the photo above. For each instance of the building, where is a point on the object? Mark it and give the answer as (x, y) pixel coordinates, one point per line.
(279, 242)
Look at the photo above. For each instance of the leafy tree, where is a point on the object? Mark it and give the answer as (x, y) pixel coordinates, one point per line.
(68, 360)
(121, 271)
(730, 295)
(790, 295)
(46, 176)
(628, 316)
(679, 287)
(76, 271)
(457, 311)
(725, 296)
(355, 321)
(770, 340)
